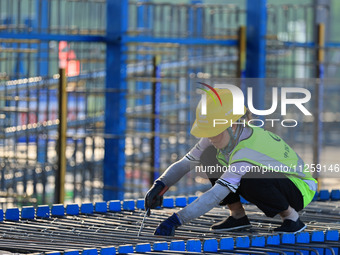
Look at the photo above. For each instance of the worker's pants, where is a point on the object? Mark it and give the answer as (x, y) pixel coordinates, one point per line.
(271, 192)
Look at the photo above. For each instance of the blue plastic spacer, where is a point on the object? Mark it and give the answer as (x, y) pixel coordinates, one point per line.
(332, 235)
(318, 236)
(72, 209)
(258, 241)
(143, 247)
(115, 206)
(177, 246)
(210, 245)
(243, 200)
(123, 249)
(168, 202)
(89, 251)
(12, 214)
(302, 237)
(324, 195)
(335, 194)
(192, 199)
(27, 212)
(227, 243)
(1, 215)
(160, 246)
(316, 196)
(43, 211)
(140, 204)
(273, 240)
(242, 242)
(57, 210)
(181, 201)
(194, 245)
(71, 252)
(86, 208)
(288, 238)
(108, 250)
(100, 207)
(129, 205)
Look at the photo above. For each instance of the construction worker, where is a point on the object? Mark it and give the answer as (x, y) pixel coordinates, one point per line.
(258, 165)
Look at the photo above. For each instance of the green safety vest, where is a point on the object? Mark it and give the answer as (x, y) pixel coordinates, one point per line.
(268, 151)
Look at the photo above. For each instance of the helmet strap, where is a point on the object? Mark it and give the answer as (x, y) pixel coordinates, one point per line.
(233, 138)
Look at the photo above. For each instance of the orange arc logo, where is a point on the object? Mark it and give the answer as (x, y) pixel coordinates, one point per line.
(213, 90)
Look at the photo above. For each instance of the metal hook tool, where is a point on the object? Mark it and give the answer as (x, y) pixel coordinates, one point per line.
(148, 210)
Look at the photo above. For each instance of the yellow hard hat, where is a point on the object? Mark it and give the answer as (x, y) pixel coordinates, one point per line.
(219, 114)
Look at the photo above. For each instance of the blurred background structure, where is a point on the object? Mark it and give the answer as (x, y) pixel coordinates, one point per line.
(128, 67)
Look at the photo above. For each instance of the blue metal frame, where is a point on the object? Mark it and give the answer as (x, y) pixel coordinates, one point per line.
(256, 48)
(183, 41)
(115, 106)
(142, 85)
(157, 122)
(42, 22)
(54, 37)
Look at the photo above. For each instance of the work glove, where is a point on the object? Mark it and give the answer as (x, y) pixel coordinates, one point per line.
(168, 227)
(152, 198)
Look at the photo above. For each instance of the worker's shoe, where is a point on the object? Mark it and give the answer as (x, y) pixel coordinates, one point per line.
(231, 224)
(290, 226)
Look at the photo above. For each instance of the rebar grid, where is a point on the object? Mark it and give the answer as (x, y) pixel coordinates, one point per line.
(96, 230)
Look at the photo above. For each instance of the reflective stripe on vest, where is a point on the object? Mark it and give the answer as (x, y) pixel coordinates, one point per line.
(270, 163)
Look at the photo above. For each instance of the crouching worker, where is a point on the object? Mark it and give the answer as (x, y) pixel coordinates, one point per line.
(265, 171)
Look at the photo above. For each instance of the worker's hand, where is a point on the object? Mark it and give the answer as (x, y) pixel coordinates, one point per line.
(168, 227)
(152, 197)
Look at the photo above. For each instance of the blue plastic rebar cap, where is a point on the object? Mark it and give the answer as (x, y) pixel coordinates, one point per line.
(140, 204)
(227, 243)
(27, 212)
(168, 202)
(43, 211)
(258, 241)
(273, 240)
(335, 194)
(1, 215)
(86, 208)
(115, 206)
(100, 207)
(12, 214)
(324, 195)
(108, 250)
(318, 236)
(177, 245)
(124, 249)
(181, 201)
(243, 200)
(160, 246)
(143, 247)
(242, 242)
(210, 245)
(57, 210)
(194, 245)
(288, 238)
(316, 196)
(90, 251)
(129, 205)
(192, 199)
(71, 252)
(72, 209)
(302, 237)
(332, 235)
